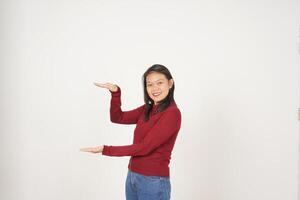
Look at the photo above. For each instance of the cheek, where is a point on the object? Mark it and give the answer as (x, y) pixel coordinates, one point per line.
(166, 93)
(166, 89)
(148, 91)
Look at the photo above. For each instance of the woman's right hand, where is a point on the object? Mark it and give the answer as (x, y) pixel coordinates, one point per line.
(111, 87)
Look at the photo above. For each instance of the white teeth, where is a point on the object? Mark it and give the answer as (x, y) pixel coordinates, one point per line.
(156, 94)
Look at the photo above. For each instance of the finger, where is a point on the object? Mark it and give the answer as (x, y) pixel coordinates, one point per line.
(85, 149)
(99, 84)
(107, 86)
(107, 83)
(111, 87)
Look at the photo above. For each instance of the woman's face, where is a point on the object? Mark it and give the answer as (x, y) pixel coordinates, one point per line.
(158, 86)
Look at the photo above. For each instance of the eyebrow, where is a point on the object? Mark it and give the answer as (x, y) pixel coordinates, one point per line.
(156, 80)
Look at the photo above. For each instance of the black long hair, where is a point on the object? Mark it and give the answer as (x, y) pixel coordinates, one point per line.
(163, 104)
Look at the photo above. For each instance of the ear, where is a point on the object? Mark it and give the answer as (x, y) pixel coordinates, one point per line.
(171, 83)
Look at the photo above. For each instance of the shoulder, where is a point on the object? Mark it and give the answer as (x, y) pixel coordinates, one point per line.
(172, 110)
(173, 106)
(172, 117)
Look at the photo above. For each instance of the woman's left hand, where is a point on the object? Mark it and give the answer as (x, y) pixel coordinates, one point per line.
(98, 149)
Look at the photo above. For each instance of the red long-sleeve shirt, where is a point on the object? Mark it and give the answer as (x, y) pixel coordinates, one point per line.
(153, 140)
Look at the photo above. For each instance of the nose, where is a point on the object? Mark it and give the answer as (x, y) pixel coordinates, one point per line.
(155, 90)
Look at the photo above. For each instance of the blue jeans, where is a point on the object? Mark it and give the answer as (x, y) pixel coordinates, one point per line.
(141, 187)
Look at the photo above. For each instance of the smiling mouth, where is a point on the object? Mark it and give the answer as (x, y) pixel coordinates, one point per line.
(156, 94)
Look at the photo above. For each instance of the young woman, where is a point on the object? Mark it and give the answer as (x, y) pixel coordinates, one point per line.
(157, 125)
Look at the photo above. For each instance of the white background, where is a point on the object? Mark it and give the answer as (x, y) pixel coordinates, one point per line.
(236, 71)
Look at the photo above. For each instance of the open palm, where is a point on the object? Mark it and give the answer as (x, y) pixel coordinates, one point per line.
(97, 149)
(109, 86)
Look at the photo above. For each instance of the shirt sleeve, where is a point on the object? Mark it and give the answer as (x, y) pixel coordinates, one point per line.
(123, 117)
(167, 126)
